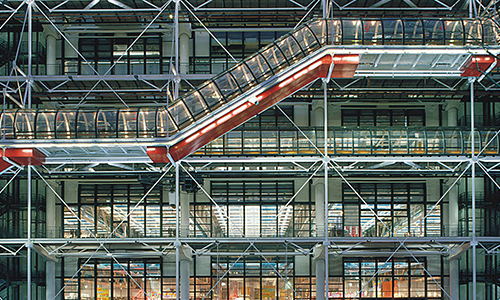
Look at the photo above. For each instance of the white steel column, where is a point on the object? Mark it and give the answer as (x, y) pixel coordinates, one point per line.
(453, 231)
(473, 191)
(29, 246)
(176, 49)
(186, 256)
(451, 107)
(186, 199)
(319, 202)
(50, 265)
(325, 165)
(184, 34)
(318, 113)
(51, 48)
(177, 243)
(30, 56)
(319, 259)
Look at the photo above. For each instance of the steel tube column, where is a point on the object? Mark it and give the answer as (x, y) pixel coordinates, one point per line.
(28, 256)
(473, 190)
(176, 49)
(452, 109)
(30, 52)
(325, 163)
(177, 241)
(50, 266)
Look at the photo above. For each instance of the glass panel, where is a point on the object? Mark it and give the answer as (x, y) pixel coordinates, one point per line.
(146, 123)
(227, 86)
(380, 141)
(343, 141)
(399, 141)
(352, 32)
(106, 123)
(243, 76)
(413, 32)
(45, 125)
(25, 128)
(275, 58)
(65, 124)
(7, 124)
(372, 32)
(362, 141)
(489, 142)
(472, 32)
(417, 142)
(259, 67)
(318, 28)
(306, 40)
(85, 124)
(164, 125)
(393, 32)
(435, 142)
(453, 141)
(434, 32)
(212, 96)
(127, 123)
(195, 103)
(490, 32)
(454, 33)
(335, 32)
(180, 114)
(290, 49)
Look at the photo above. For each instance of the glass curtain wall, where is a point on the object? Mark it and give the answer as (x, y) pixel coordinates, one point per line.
(145, 57)
(103, 209)
(398, 278)
(391, 209)
(255, 208)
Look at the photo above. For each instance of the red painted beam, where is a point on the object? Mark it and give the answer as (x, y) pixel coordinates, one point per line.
(25, 156)
(477, 65)
(344, 66)
(3, 164)
(158, 154)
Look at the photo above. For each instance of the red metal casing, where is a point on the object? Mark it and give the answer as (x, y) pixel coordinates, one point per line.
(158, 154)
(25, 156)
(3, 164)
(476, 65)
(344, 67)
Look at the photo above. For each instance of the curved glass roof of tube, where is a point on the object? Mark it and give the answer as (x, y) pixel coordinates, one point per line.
(288, 49)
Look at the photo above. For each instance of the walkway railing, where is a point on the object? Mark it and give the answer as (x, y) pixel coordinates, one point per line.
(355, 141)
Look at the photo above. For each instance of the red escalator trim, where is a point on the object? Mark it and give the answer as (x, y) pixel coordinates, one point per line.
(344, 66)
(25, 156)
(476, 65)
(158, 154)
(266, 99)
(4, 165)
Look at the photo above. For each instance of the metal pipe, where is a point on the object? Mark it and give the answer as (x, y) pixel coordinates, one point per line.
(176, 49)
(473, 191)
(177, 242)
(30, 51)
(326, 160)
(28, 258)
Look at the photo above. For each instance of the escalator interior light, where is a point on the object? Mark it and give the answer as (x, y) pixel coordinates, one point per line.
(240, 109)
(286, 82)
(208, 128)
(192, 138)
(314, 65)
(224, 119)
(298, 75)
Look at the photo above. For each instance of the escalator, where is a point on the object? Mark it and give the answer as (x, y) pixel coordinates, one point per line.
(321, 48)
